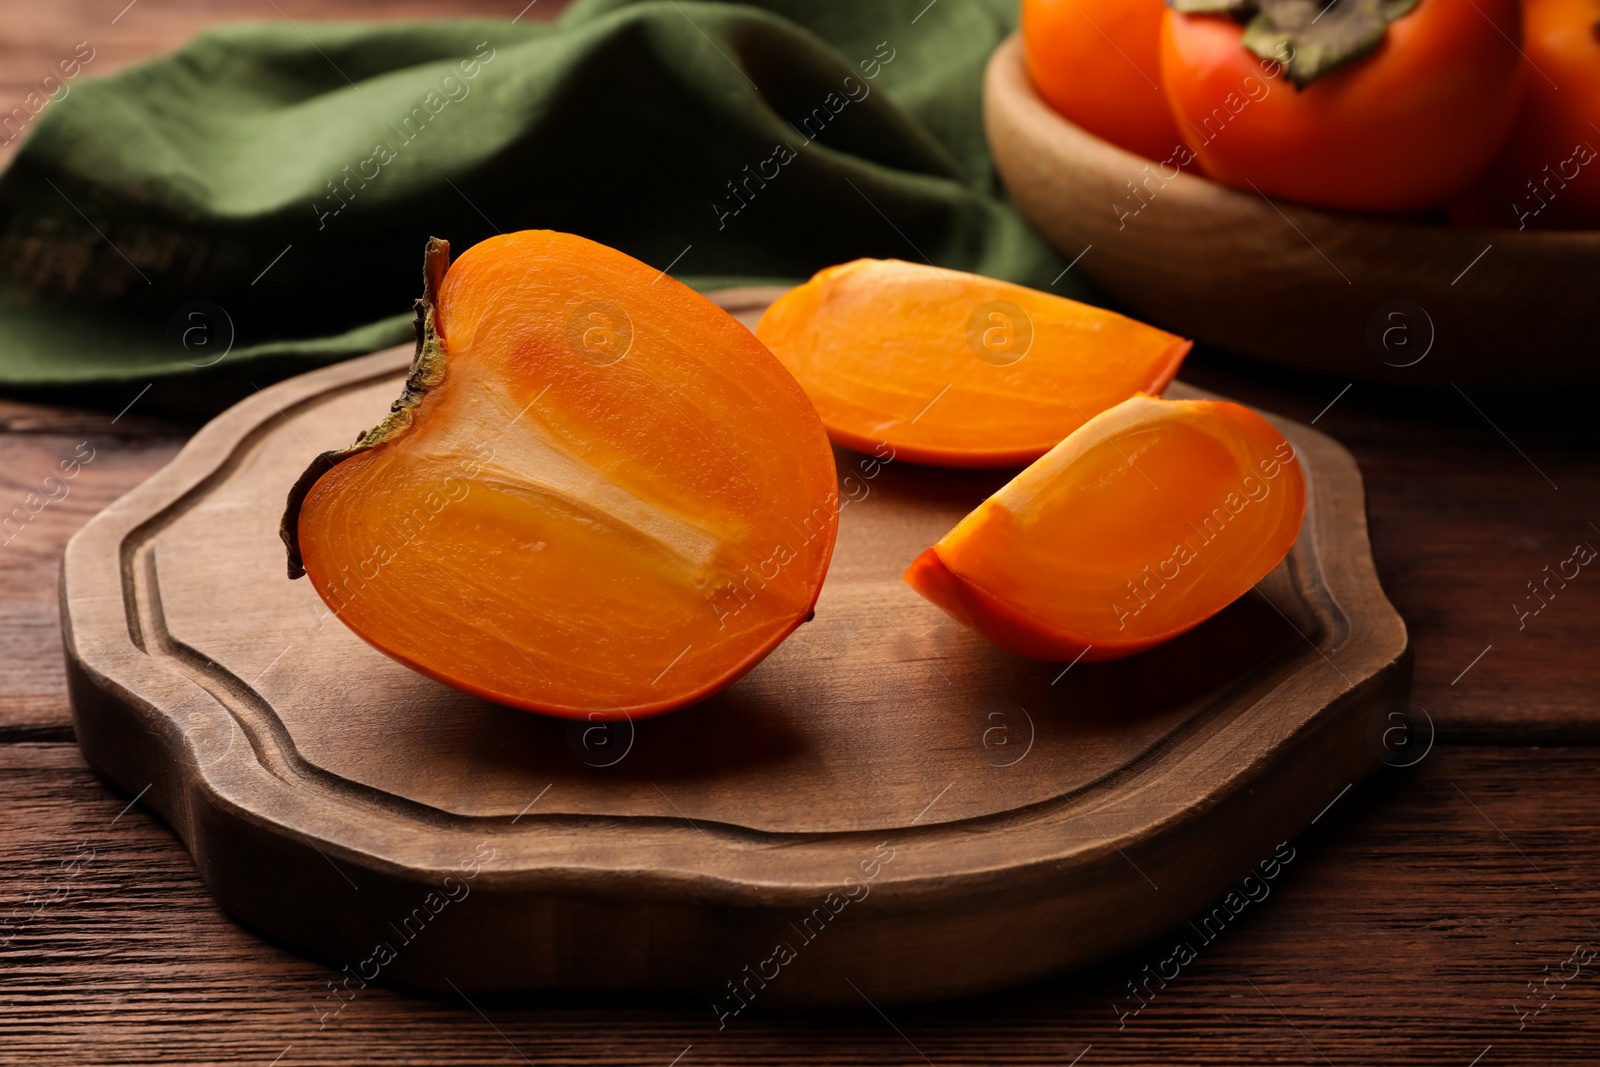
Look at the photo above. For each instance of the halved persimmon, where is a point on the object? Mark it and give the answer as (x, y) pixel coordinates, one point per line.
(1141, 525)
(599, 496)
(957, 370)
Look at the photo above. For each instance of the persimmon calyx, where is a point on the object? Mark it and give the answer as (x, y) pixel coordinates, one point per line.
(427, 370)
(1309, 38)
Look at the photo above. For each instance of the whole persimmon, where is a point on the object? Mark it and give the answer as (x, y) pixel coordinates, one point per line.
(1546, 177)
(599, 496)
(1098, 63)
(1367, 105)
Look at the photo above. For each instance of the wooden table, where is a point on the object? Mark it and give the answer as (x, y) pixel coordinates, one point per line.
(1433, 915)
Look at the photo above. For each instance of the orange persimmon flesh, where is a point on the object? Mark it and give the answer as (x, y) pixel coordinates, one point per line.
(1141, 525)
(610, 499)
(957, 370)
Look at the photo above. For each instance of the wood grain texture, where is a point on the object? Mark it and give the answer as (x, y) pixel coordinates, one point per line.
(1292, 284)
(1027, 810)
(1402, 936)
(1404, 932)
(41, 504)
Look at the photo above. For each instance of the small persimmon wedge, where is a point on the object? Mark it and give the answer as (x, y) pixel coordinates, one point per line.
(1141, 525)
(600, 496)
(956, 370)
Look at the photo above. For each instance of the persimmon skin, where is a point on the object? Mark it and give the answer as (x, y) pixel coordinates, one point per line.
(565, 525)
(1098, 63)
(1546, 176)
(1007, 571)
(915, 358)
(1403, 129)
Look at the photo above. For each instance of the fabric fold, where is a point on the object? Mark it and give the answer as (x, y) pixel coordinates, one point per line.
(256, 204)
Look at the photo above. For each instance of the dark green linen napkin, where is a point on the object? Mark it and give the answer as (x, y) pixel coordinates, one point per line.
(256, 204)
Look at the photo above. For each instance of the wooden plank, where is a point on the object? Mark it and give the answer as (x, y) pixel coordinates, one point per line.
(1405, 930)
(27, 416)
(50, 485)
(1402, 933)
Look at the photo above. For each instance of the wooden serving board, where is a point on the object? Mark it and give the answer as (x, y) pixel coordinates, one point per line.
(886, 807)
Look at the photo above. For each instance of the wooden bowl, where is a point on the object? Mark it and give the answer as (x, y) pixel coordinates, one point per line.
(1355, 297)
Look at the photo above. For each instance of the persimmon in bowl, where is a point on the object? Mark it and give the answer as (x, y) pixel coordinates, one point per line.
(1401, 299)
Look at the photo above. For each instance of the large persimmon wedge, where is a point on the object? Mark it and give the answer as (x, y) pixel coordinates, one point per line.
(599, 496)
(957, 370)
(1141, 525)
